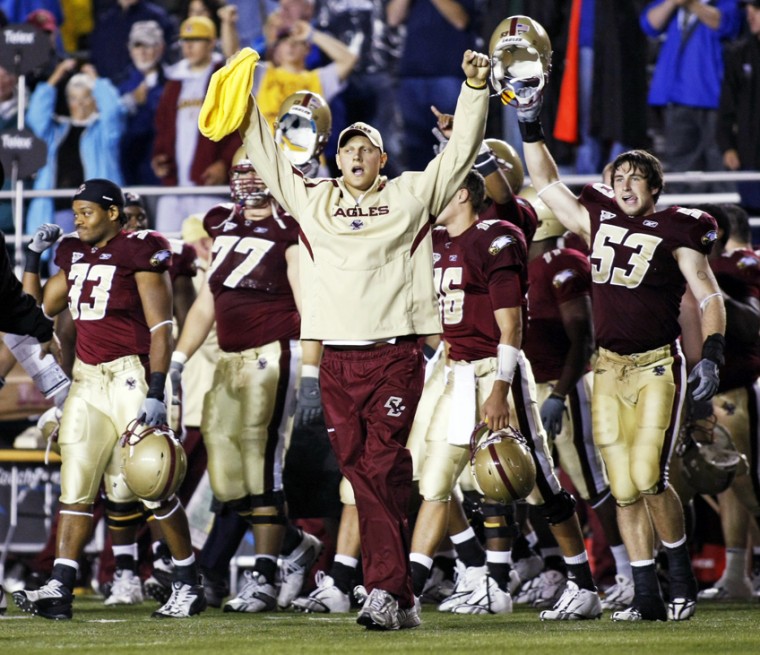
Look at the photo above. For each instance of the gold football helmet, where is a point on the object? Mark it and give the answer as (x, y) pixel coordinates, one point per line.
(502, 464)
(303, 126)
(709, 459)
(153, 461)
(246, 190)
(509, 161)
(548, 225)
(521, 55)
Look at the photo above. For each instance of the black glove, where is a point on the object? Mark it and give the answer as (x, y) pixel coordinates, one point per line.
(153, 412)
(309, 403)
(552, 412)
(705, 379)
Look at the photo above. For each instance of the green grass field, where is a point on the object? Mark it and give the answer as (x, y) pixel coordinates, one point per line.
(717, 629)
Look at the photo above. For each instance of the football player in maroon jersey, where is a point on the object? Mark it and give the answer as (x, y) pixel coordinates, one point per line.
(480, 271)
(117, 289)
(559, 343)
(641, 262)
(251, 291)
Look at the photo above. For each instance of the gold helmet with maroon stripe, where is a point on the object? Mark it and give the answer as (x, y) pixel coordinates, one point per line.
(521, 55)
(502, 464)
(509, 162)
(303, 126)
(153, 461)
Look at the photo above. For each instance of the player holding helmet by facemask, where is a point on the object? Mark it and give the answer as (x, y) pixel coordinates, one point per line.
(641, 261)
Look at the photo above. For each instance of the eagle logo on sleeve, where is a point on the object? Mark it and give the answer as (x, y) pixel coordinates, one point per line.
(160, 258)
(499, 243)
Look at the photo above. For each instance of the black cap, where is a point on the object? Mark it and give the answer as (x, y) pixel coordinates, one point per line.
(132, 199)
(103, 192)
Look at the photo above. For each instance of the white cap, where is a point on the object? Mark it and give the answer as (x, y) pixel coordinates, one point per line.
(361, 129)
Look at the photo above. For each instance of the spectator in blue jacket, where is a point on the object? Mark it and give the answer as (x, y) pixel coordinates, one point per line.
(688, 76)
(80, 146)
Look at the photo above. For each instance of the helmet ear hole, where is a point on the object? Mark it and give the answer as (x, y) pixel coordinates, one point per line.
(153, 461)
(502, 464)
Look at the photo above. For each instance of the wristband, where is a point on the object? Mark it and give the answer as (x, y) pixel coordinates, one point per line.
(428, 352)
(309, 371)
(506, 362)
(486, 164)
(32, 264)
(713, 348)
(156, 385)
(556, 395)
(477, 88)
(531, 132)
(179, 358)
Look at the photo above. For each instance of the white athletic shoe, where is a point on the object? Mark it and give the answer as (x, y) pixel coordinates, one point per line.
(379, 612)
(728, 590)
(486, 599)
(326, 598)
(186, 600)
(466, 583)
(52, 600)
(681, 609)
(410, 618)
(618, 596)
(437, 588)
(125, 590)
(543, 591)
(529, 567)
(292, 570)
(575, 604)
(3, 601)
(646, 610)
(257, 595)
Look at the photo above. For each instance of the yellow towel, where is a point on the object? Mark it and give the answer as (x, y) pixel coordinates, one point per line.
(227, 97)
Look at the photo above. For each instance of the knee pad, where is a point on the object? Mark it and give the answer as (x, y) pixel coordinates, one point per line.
(273, 499)
(120, 516)
(558, 508)
(492, 529)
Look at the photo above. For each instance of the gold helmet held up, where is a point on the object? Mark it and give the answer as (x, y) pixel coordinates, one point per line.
(521, 55)
(303, 126)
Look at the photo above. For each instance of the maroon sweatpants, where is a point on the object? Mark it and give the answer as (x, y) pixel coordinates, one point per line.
(369, 399)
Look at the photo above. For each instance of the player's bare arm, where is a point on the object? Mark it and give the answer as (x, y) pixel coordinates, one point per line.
(495, 410)
(55, 295)
(198, 324)
(695, 267)
(156, 297)
(544, 176)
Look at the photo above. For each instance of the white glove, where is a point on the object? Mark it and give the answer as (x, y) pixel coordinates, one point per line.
(45, 237)
(153, 412)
